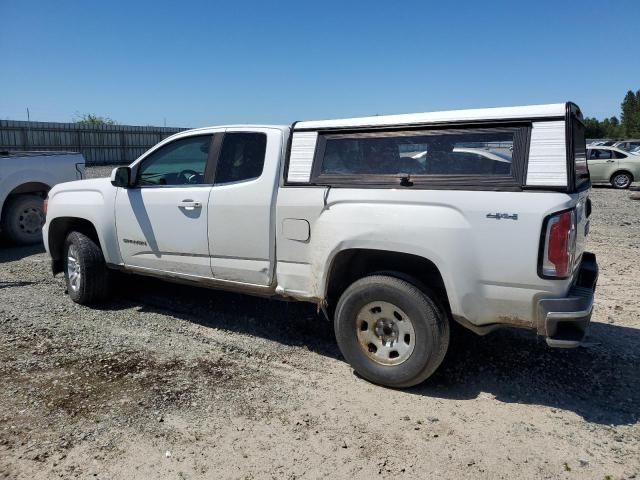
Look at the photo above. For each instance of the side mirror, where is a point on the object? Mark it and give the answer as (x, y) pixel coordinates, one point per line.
(121, 177)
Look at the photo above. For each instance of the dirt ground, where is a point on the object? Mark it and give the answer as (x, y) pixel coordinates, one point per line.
(177, 382)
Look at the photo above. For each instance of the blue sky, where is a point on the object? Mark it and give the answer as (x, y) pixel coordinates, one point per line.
(205, 63)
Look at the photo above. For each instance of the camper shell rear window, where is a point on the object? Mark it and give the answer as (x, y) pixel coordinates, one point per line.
(577, 153)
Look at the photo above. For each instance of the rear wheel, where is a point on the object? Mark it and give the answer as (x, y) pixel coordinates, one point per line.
(23, 218)
(621, 180)
(391, 332)
(85, 271)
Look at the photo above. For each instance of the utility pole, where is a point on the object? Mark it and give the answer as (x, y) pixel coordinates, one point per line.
(28, 116)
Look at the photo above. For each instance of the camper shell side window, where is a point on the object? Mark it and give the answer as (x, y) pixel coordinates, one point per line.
(474, 157)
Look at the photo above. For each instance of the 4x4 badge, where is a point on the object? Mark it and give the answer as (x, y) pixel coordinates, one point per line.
(499, 216)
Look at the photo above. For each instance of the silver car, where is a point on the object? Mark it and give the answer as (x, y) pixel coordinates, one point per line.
(613, 165)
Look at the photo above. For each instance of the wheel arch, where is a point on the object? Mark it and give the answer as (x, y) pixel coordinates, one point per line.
(59, 229)
(30, 187)
(351, 264)
(25, 188)
(622, 170)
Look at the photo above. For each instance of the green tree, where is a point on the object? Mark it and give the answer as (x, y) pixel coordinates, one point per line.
(593, 128)
(92, 120)
(616, 130)
(631, 114)
(612, 128)
(628, 127)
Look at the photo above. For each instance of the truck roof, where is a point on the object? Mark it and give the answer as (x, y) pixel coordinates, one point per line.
(500, 113)
(552, 110)
(235, 125)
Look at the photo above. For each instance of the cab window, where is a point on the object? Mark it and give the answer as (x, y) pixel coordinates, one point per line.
(181, 162)
(241, 157)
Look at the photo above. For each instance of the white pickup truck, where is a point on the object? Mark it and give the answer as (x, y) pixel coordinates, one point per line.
(394, 226)
(25, 180)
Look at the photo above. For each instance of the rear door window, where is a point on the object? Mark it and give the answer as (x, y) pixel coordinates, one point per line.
(241, 157)
(597, 154)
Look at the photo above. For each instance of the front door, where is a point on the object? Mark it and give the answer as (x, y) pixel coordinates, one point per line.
(602, 164)
(161, 221)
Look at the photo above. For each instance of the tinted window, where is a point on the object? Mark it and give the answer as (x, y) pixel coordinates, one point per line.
(619, 155)
(419, 153)
(181, 162)
(597, 154)
(579, 150)
(241, 157)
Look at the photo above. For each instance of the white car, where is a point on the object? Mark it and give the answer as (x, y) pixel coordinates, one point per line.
(627, 145)
(601, 143)
(25, 180)
(613, 165)
(391, 248)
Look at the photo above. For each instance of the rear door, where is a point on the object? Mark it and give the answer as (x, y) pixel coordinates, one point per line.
(629, 162)
(161, 221)
(602, 164)
(241, 207)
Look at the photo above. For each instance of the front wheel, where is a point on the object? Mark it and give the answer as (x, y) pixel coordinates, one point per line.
(621, 180)
(391, 332)
(85, 271)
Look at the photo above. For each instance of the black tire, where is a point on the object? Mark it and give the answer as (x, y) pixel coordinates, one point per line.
(429, 322)
(621, 180)
(23, 218)
(92, 285)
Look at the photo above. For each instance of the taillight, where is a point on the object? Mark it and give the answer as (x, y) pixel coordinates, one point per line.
(45, 205)
(559, 245)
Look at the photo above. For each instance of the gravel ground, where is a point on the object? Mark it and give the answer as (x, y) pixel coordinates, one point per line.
(171, 381)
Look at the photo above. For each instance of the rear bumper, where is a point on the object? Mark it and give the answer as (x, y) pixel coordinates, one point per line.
(565, 321)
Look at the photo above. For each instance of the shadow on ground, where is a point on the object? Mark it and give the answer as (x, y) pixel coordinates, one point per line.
(11, 253)
(4, 284)
(607, 186)
(599, 382)
(289, 323)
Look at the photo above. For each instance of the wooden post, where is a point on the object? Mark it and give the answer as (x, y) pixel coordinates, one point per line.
(25, 138)
(123, 147)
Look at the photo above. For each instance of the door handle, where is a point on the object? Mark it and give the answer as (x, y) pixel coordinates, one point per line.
(189, 204)
(611, 161)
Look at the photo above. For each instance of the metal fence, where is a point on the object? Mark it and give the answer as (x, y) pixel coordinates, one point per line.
(99, 144)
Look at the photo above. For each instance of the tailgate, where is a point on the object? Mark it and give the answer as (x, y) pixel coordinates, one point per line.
(583, 214)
